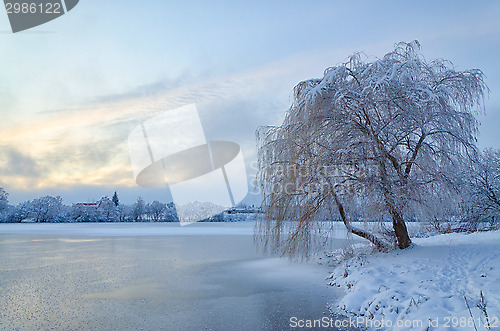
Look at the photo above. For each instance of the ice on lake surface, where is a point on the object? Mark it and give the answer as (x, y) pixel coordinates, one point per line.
(211, 278)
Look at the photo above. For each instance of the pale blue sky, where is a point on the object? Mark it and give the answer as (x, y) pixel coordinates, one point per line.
(71, 90)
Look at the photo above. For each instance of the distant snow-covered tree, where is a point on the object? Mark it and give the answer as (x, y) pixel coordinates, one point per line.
(171, 213)
(16, 214)
(138, 210)
(84, 213)
(483, 199)
(46, 209)
(115, 199)
(4, 206)
(4, 199)
(124, 213)
(107, 210)
(198, 211)
(383, 135)
(156, 211)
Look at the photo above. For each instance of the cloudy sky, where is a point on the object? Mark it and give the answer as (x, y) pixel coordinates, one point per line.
(72, 90)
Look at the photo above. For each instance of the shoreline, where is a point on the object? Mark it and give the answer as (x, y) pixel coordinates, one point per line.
(444, 281)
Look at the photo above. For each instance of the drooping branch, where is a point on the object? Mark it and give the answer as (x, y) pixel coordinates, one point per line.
(359, 232)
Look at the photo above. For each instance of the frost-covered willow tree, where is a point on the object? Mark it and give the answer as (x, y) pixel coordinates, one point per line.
(370, 140)
(4, 199)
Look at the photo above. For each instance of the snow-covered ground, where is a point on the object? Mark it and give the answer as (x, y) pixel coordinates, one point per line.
(444, 282)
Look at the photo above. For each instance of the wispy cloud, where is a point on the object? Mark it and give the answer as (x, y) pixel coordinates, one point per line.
(88, 146)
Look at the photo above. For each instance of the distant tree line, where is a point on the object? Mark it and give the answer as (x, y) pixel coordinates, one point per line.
(50, 209)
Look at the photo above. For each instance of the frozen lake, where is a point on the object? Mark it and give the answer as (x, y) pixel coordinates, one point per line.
(150, 277)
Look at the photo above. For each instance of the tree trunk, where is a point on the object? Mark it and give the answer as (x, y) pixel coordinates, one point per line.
(400, 229)
(398, 222)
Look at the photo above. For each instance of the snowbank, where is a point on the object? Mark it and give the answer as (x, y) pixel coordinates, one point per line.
(445, 282)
